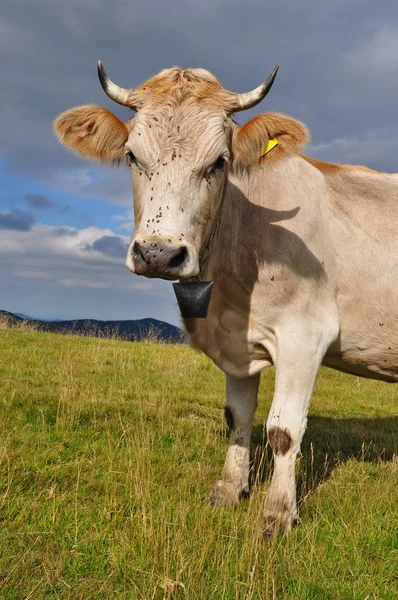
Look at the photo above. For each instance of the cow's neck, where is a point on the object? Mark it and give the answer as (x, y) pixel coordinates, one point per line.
(254, 199)
(243, 254)
(276, 185)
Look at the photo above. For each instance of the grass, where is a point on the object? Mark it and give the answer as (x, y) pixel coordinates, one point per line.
(107, 449)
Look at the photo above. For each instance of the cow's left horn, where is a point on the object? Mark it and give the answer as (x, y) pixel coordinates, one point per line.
(116, 93)
(250, 99)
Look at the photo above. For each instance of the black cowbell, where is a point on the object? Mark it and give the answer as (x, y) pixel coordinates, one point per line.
(193, 298)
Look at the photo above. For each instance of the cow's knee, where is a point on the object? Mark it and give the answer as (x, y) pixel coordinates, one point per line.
(280, 440)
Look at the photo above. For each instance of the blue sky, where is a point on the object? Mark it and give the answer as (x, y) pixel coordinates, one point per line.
(65, 223)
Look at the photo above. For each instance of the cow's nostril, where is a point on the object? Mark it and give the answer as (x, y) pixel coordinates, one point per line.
(138, 250)
(178, 259)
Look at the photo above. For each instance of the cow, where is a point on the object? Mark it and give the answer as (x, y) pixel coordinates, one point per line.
(304, 254)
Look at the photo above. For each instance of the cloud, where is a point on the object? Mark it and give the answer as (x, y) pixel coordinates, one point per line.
(16, 219)
(376, 148)
(50, 273)
(38, 201)
(48, 243)
(64, 230)
(33, 274)
(111, 245)
(105, 183)
(379, 54)
(84, 283)
(338, 75)
(135, 41)
(61, 253)
(126, 221)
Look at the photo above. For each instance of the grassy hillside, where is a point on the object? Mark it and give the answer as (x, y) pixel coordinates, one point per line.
(107, 449)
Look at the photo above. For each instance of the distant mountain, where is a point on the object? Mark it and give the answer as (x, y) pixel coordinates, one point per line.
(132, 331)
(27, 318)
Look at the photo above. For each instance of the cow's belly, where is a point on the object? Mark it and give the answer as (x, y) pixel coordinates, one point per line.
(235, 347)
(242, 353)
(348, 363)
(368, 341)
(376, 358)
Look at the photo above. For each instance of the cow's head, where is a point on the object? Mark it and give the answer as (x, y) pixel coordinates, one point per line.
(179, 146)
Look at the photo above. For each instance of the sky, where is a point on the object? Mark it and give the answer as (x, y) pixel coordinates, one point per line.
(65, 223)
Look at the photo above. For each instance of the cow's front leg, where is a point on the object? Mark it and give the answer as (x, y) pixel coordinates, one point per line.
(297, 365)
(239, 412)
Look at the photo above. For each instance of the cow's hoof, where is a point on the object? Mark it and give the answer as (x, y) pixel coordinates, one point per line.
(278, 524)
(269, 532)
(274, 526)
(224, 494)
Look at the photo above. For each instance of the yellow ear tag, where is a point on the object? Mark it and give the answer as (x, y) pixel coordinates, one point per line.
(271, 144)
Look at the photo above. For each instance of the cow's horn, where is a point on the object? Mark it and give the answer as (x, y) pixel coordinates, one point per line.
(114, 92)
(250, 99)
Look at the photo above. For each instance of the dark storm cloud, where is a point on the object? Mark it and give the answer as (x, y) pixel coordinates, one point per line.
(38, 201)
(64, 231)
(111, 245)
(338, 71)
(20, 220)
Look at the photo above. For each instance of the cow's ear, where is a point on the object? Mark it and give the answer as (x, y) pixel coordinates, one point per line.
(251, 141)
(92, 131)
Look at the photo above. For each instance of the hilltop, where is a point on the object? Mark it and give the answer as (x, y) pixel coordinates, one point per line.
(131, 331)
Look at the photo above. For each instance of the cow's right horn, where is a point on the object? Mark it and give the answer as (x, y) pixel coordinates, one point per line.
(250, 99)
(116, 93)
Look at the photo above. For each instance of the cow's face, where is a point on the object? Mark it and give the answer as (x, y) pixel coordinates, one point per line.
(178, 148)
(179, 162)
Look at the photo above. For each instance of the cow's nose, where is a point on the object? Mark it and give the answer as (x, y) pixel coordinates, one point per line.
(159, 260)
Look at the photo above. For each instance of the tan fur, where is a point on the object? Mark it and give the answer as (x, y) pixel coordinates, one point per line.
(94, 132)
(332, 169)
(251, 140)
(176, 85)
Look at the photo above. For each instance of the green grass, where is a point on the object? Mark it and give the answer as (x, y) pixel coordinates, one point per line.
(108, 448)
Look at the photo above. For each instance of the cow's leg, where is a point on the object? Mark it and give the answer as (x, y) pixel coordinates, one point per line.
(296, 365)
(239, 412)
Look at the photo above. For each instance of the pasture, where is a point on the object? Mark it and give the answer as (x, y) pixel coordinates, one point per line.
(107, 449)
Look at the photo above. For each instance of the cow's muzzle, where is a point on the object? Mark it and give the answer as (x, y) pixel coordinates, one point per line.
(158, 259)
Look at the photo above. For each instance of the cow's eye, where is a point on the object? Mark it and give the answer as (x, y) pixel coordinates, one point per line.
(217, 166)
(132, 159)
